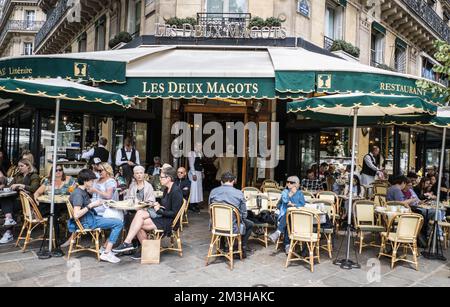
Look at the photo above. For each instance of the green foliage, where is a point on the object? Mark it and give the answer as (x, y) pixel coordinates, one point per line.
(122, 37)
(269, 22)
(179, 22)
(385, 67)
(442, 55)
(345, 46)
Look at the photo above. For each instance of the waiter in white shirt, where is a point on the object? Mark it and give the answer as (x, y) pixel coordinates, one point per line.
(98, 152)
(370, 168)
(127, 157)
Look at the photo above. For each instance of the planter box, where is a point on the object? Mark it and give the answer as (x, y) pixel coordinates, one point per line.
(346, 56)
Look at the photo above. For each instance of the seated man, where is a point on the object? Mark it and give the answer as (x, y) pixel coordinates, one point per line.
(394, 193)
(160, 216)
(227, 194)
(183, 182)
(290, 197)
(311, 183)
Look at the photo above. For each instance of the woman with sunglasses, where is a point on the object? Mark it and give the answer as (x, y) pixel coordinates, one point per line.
(64, 185)
(292, 196)
(105, 187)
(26, 180)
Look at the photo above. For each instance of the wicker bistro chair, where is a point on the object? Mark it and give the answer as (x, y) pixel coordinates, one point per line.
(260, 231)
(184, 216)
(269, 183)
(32, 218)
(309, 197)
(222, 216)
(75, 245)
(274, 196)
(334, 198)
(408, 228)
(364, 219)
(328, 232)
(175, 237)
(301, 230)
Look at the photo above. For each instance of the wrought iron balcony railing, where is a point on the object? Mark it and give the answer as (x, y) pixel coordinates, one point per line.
(52, 19)
(327, 43)
(430, 17)
(224, 19)
(20, 25)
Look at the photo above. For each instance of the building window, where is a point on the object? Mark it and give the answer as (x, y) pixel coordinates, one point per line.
(30, 18)
(226, 6)
(82, 43)
(134, 17)
(377, 48)
(334, 18)
(27, 48)
(400, 56)
(100, 34)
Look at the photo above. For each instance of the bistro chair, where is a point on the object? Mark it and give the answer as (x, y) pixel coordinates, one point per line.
(334, 198)
(269, 183)
(175, 236)
(32, 218)
(274, 196)
(408, 228)
(300, 225)
(260, 231)
(94, 235)
(250, 194)
(364, 218)
(222, 217)
(184, 217)
(328, 231)
(309, 197)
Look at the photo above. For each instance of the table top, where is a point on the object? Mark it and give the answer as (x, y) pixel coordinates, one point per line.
(59, 199)
(126, 205)
(7, 194)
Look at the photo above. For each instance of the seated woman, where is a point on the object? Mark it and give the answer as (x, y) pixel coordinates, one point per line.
(84, 211)
(292, 196)
(394, 193)
(358, 192)
(63, 186)
(104, 188)
(171, 203)
(422, 189)
(409, 193)
(26, 180)
(139, 188)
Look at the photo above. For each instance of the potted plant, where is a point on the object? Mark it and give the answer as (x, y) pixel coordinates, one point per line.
(121, 37)
(340, 47)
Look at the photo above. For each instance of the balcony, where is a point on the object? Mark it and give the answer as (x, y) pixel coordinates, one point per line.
(22, 26)
(327, 43)
(58, 31)
(416, 21)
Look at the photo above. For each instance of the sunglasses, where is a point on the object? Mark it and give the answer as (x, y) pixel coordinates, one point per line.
(59, 169)
(291, 182)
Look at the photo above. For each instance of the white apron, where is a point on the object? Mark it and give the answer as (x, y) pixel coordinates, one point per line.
(196, 186)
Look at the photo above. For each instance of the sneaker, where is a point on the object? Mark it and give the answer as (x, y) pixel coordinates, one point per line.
(274, 236)
(7, 237)
(102, 250)
(124, 247)
(137, 255)
(286, 249)
(9, 222)
(109, 257)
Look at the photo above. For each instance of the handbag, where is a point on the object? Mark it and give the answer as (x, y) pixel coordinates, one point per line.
(153, 214)
(111, 213)
(150, 252)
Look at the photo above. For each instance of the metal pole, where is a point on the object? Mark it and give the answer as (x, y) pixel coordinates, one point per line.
(352, 172)
(438, 196)
(55, 157)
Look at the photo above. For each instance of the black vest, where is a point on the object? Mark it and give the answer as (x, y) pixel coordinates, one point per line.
(366, 169)
(133, 155)
(198, 164)
(101, 153)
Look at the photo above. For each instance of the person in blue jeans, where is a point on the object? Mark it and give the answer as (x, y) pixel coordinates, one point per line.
(292, 196)
(83, 209)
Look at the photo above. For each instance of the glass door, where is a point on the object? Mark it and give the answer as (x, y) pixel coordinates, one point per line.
(308, 151)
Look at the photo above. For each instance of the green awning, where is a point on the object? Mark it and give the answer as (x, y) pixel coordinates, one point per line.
(199, 88)
(59, 88)
(295, 81)
(401, 43)
(378, 27)
(64, 67)
(371, 105)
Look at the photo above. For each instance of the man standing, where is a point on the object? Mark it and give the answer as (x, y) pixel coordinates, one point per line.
(99, 152)
(196, 176)
(128, 158)
(370, 168)
(227, 194)
(226, 163)
(183, 182)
